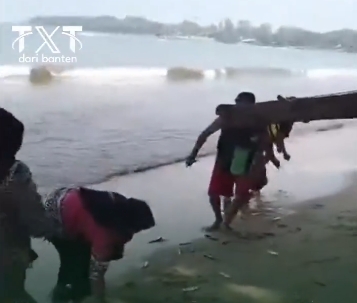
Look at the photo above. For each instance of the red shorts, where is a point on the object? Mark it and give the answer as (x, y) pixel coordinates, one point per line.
(225, 184)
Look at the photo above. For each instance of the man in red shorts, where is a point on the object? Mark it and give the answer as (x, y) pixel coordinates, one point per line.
(222, 180)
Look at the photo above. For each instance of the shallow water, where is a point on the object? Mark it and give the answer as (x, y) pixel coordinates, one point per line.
(115, 111)
(178, 198)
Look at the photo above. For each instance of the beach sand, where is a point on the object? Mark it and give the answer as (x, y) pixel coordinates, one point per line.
(315, 238)
(316, 260)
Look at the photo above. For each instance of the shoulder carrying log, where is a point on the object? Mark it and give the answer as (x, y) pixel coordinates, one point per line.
(324, 107)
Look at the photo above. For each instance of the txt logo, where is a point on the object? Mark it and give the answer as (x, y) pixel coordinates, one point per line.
(26, 30)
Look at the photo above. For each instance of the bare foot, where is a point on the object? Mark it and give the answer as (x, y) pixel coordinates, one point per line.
(215, 226)
(227, 227)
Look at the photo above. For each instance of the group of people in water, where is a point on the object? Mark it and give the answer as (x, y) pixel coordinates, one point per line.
(89, 228)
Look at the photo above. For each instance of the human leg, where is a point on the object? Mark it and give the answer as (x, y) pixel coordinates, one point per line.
(70, 264)
(221, 184)
(81, 287)
(243, 187)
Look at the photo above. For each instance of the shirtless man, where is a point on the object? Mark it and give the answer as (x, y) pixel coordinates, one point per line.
(223, 181)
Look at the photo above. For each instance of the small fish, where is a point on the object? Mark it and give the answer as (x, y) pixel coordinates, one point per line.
(185, 243)
(209, 257)
(158, 240)
(179, 251)
(276, 219)
(225, 242)
(255, 214)
(274, 253)
(320, 283)
(188, 289)
(211, 238)
(146, 264)
(225, 275)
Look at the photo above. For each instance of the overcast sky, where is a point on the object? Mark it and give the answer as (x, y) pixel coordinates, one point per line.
(321, 15)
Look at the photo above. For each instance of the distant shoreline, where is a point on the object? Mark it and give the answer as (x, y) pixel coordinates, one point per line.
(226, 32)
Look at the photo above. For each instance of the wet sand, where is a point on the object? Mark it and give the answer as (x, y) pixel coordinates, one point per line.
(320, 168)
(309, 256)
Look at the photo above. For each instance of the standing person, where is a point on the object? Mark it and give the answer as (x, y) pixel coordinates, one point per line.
(94, 227)
(222, 181)
(22, 214)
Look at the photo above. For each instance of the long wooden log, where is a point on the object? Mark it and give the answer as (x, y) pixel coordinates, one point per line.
(324, 107)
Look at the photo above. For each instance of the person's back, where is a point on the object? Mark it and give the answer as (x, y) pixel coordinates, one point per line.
(22, 213)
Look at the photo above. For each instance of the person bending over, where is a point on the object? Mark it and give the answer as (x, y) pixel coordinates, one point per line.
(94, 227)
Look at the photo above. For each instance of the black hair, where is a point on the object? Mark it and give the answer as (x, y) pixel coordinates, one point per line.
(245, 97)
(11, 134)
(116, 212)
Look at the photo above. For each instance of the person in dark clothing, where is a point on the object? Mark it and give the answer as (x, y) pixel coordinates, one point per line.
(278, 132)
(223, 181)
(93, 228)
(22, 214)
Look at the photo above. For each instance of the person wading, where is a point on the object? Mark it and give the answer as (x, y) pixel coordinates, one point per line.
(223, 182)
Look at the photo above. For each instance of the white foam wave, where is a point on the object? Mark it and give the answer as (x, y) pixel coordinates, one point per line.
(142, 74)
(326, 73)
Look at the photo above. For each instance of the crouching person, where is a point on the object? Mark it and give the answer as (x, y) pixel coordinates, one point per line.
(95, 226)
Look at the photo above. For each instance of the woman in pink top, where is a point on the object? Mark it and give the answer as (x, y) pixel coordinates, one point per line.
(93, 229)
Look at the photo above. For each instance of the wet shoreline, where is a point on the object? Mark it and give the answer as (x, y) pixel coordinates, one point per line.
(178, 198)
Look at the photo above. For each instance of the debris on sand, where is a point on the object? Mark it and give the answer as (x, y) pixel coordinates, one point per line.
(189, 289)
(179, 251)
(145, 265)
(211, 238)
(273, 253)
(208, 256)
(158, 240)
(185, 243)
(225, 242)
(320, 283)
(269, 234)
(276, 219)
(225, 275)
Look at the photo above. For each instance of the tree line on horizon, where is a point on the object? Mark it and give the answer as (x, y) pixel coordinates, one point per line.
(225, 32)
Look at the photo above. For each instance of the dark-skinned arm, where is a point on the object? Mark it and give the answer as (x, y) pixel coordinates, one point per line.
(202, 138)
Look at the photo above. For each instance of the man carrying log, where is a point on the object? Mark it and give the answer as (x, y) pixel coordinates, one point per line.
(233, 143)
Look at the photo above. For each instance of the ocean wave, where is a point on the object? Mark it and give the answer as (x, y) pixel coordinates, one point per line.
(149, 74)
